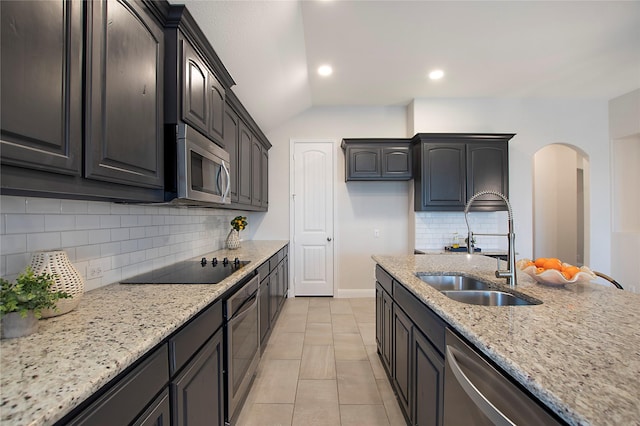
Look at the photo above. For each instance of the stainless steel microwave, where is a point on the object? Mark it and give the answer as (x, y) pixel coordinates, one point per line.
(202, 169)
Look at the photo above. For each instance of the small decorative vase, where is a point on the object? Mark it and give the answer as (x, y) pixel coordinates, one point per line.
(14, 325)
(233, 240)
(67, 279)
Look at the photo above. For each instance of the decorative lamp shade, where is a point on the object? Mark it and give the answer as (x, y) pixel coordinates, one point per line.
(66, 278)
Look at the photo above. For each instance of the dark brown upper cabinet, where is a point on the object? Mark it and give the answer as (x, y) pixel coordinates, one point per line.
(377, 159)
(449, 168)
(42, 85)
(196, 80)
(244, 165)
(125, 138)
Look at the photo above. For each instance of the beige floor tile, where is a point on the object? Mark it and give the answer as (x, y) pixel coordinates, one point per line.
(291, 323)
(376, 364)
(368, 332)
(296, 305)
(364, 317)
(363, 415)
(319, 314)
(349, 347)
(318, 334)
(391, 406)
(276, 381)
(340, 306)
(285, 346)
(344, 323)
(318, 362)
(316, 403)
(320, 301)
(356, 384)
(266, 415)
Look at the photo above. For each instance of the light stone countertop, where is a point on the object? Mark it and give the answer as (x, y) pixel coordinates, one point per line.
(47, 374)
(578, 352)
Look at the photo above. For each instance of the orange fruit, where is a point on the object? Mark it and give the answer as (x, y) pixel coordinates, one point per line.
(566, 275)
(539, 270)
(571, 271)
(540, 261)
(552, 264)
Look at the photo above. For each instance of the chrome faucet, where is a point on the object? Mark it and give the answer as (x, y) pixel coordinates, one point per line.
(510, 272)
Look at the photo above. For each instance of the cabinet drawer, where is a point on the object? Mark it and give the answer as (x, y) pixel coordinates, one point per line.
(384, 279)
(424, 318)
(263, 270)
(122, 403)
(192, 336)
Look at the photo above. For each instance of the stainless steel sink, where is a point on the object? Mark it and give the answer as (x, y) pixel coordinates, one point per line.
(453, 282)
(488, 298)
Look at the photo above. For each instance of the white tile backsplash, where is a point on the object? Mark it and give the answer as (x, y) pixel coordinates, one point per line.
(435, 230)
(121, 239)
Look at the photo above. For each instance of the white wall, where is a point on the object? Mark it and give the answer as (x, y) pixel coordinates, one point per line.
(360, 207)
(583, 123)
(624, 121)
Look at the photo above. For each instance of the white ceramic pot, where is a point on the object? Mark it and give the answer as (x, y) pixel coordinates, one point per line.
(67, 279)
(233, 240)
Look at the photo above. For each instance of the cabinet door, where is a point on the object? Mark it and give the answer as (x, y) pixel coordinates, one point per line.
(487, 170)
(443, 175)
(159, 414)
(244, 165)
(231, 130)
(256, 173)
(428, 382)
(273, 294)
(125, 111)
(197, 393)
(363, 163)
(195, 90)
(396, 163)
(379, 318)
(265, 179)
(216, 109)
(41, 60)
(401, 361)
(387, 329)
(265, 317)
(281, 283)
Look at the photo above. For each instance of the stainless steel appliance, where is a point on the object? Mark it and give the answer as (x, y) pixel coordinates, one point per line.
(243, 343)
(476, 393)
(194, 271)
(200, 174)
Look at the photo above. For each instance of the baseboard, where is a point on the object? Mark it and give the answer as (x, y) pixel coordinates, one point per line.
(355, 293)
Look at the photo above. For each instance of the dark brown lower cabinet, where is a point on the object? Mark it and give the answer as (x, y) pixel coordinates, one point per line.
(197, 392)
(265, 317)
(410, 340)
(159, 414)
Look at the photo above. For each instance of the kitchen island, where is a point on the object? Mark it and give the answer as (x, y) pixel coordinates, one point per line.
(578, 352)
(46, 375)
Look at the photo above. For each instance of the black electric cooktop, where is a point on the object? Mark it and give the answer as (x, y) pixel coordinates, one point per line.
(205, 271)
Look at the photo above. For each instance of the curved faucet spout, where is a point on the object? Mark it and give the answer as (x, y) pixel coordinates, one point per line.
(510, 272)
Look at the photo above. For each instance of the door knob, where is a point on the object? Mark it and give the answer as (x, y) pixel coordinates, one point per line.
(328, 238)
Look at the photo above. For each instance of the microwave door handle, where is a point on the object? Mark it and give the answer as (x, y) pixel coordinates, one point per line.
(226, 191)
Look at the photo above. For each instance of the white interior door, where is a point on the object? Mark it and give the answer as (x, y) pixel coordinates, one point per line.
(313, 218)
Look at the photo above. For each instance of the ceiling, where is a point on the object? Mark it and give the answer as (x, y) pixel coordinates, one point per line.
(382, 51)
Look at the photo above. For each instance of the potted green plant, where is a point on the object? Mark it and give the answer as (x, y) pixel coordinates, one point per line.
(22, 302)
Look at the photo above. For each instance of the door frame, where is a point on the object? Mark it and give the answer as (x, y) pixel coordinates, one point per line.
(292, 262)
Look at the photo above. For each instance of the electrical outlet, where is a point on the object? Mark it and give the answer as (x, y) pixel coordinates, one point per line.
(376, 233)
(94, 272)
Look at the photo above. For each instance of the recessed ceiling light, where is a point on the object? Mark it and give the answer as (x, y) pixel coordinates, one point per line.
(325, 70)
(436, 74)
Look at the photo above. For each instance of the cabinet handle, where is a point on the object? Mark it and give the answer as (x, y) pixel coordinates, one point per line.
(328, 238)
(481, 401)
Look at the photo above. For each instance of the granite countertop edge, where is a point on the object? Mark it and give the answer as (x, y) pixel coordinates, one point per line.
(530, 342)
(46, 375)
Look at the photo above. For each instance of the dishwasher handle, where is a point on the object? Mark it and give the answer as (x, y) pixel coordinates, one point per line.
(489, 410)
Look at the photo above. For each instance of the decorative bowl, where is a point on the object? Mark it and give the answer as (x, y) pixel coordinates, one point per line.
(553, 277)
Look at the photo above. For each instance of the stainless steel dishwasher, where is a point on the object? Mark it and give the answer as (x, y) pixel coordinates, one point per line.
(475, 393)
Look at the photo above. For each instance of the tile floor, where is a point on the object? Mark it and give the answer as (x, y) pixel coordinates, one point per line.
(320, 367)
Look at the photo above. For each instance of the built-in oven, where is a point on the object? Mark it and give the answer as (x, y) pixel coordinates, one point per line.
(243, 343)
(197, 171)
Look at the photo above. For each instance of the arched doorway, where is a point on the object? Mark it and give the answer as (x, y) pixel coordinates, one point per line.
(560, 204)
